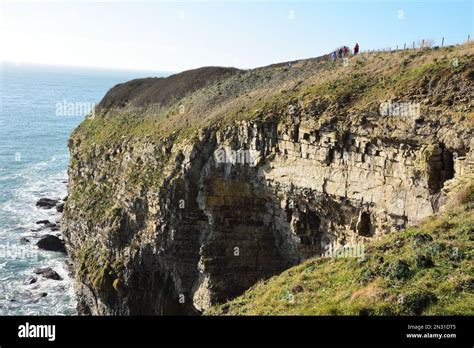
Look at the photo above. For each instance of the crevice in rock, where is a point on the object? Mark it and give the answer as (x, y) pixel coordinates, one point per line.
(364, 226)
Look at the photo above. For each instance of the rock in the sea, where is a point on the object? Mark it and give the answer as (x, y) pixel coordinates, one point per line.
(70, 268)
(43, 222)
(32, 280)
(60, 207)
(51, 243)
(48, 224)
(24, 240)
(48, 273)
(46, 203)
(54, 227)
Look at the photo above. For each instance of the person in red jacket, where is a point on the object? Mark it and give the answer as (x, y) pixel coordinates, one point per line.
(356, 49)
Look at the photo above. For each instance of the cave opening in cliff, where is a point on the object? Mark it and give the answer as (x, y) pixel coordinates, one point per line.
(330, 156)
(364, 226)
(441, 169)
(448, 166)
(307, 228)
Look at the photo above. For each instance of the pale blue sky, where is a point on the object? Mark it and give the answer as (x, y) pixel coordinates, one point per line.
(179, 35)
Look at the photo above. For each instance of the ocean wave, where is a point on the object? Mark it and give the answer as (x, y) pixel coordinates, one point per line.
(18, 216)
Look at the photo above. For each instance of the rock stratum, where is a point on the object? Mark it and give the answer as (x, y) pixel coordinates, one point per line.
(187, 190)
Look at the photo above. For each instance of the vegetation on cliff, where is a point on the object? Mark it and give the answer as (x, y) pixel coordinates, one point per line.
(178, 105)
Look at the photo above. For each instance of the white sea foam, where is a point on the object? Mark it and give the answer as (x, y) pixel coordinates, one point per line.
(20, 297)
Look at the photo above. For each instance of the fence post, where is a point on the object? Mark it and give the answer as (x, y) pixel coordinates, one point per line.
(442, 42)
(404, 46)
(423, 43)
(468, 38)
(397, 48)
(413, 44)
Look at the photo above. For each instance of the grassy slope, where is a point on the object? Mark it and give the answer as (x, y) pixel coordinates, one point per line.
(423, 270)
(320, 87)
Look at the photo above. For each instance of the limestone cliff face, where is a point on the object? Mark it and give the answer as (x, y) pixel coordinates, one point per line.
(172, 224)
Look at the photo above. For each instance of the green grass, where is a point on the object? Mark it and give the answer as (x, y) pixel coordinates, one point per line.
(321, 88)
(423, 270)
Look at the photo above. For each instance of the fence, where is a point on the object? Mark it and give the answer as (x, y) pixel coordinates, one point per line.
(421, 44)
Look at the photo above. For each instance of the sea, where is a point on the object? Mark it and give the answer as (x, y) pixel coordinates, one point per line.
(39, 108)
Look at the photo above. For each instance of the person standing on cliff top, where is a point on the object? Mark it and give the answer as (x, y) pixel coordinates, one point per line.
(356, 49)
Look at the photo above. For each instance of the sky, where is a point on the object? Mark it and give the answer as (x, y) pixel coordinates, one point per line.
(179, 35)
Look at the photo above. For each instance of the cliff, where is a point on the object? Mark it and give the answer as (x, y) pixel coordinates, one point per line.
(185, 191)
(425, 269)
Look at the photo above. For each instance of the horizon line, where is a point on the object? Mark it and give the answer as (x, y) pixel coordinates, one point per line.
(60, 65)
